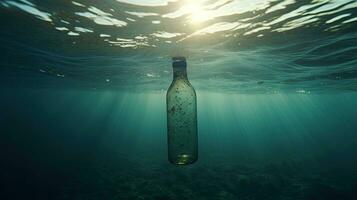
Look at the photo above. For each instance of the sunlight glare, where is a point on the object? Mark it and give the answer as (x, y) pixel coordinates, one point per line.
(196, 11)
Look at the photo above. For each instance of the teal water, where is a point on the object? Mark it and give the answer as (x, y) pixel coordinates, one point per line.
(83, 113)
(75, 144)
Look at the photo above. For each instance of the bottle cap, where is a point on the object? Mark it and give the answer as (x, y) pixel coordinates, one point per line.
(179, 61)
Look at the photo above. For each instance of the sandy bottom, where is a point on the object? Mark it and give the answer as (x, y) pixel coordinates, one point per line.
(130, 180)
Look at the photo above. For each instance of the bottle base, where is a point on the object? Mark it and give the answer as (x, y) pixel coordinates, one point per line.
(183, 159)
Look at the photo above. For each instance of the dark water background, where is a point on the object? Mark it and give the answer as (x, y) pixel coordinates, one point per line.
(82, 99)
(75, 144)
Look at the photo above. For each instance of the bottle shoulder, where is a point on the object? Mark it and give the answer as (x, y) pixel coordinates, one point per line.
(181, 86)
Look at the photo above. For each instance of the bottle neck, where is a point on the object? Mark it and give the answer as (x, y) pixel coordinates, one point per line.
(179, 73)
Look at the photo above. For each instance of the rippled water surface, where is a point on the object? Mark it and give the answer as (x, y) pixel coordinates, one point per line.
(274, 46)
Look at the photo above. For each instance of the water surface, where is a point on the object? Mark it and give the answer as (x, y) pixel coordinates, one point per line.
(243, 45)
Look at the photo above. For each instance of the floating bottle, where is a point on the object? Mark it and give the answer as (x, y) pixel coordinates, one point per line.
(181, 104)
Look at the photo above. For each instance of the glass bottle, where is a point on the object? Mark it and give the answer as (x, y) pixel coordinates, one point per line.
(181, 104)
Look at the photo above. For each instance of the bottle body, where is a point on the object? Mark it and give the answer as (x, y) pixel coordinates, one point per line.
(181, 105)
